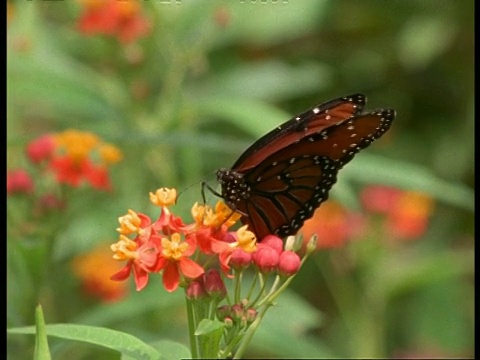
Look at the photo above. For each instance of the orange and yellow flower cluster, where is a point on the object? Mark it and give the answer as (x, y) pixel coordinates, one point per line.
(404, 215)
(184, 252)
(75, 157)
(121, 19)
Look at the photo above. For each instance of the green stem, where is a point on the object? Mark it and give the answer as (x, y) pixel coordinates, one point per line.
(250, 332)
(191, 329)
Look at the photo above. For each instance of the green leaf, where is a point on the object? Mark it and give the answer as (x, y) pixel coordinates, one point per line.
(283, 331)
(172, 349)
(42, 351)
(423, 39)
(265, 22)
(112, 339)
(400, 274)
(267, 80)
(252, 116)
(209, 334)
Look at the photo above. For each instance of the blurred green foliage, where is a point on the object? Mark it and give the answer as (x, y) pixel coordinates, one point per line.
(209, 79)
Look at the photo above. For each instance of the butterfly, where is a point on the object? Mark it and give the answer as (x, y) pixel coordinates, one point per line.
(282, 178)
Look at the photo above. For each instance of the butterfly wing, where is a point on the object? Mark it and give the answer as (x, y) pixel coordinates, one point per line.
(282, 178)
(305, 124)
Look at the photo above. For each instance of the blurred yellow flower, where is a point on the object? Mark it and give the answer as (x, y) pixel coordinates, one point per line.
(94, 270)
(110, 154)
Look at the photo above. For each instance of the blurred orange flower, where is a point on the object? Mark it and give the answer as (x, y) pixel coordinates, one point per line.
(409, 217)
(122, 19)
(333, 224)
(94, 269)
(75, 156)
(407, 212)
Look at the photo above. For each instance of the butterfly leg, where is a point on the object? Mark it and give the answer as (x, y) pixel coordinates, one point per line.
(209, 188)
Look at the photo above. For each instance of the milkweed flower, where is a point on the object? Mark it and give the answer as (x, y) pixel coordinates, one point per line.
(19, 182)
(199, 256)
(92, 268)
(41, 149)
(333, 224)
(167, 245)
(75, 157)
(121, 19)
(406, 213)
(142, 255)
(175, 261)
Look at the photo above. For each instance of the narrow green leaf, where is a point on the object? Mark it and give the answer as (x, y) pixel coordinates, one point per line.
(42, 351)
(112, 339)
(172, 350)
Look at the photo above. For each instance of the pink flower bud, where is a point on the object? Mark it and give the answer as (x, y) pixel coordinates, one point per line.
(274, 242)
(41, 148)
(240, 259)
(266, 259)
(228, 322)
(195, 291)
(51, 202)
(237, 311)
(214, 285)
(223, 312)
(289, 263)
(251, 315)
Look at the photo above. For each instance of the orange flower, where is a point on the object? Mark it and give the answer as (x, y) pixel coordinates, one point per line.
(93, 269)
(175, 261)
(74, 157)
(110, 154)
(409, 216)
(407, 212)
(71, 172)
(142, 254)
(122, 19)
(333, 225)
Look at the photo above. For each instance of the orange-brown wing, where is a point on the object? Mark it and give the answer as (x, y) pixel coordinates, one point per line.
(287, 186)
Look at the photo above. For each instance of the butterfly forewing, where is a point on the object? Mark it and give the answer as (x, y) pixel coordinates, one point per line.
(305, 124)
(282, 178)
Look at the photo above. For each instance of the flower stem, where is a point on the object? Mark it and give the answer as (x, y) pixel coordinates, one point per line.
(192, 325)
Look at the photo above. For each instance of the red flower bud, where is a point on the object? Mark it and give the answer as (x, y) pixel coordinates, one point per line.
(251, 315)
(195, 291)
(223, 311)
(237, 311)
(214, 285)
(274, 242)
(289, 263)
(266, 259)
(240, 259)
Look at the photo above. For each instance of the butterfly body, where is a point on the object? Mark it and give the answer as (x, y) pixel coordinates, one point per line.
(279, 181)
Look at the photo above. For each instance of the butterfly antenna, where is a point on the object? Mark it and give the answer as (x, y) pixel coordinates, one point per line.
(205, 185)
(185, 189)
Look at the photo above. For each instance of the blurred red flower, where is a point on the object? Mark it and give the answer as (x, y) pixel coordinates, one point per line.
(406, 212)
(41, 148)
(333, 224)
(122, 19)
(19, 182)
